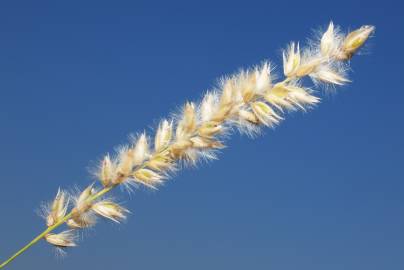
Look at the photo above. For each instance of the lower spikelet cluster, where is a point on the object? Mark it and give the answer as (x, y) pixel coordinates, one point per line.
(247, 100)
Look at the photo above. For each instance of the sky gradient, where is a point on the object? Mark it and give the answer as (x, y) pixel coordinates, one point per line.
(323, 191)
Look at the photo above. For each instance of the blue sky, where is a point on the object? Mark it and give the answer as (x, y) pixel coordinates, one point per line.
(323, 191)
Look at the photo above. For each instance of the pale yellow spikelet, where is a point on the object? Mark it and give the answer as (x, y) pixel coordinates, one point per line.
(246, 84)
(208, 106)
(248, 116)
(58, 208)
(328, 75)
(125, 164)
(227, 92)
(82, 201)
(301, 97)
(82, 220)
(62, 240)
(291, 60)
(203, 142)
(308, 66)
(141, 150)
(263, 78)
(160, 162)
(107, 171)
(277, 97)
(292, 95)
(355, 39)
(147, 177)
(265, 113)
(178, 148)
(110, 210)
(209, 129)
(163, 135)
(223, 112)
(81, 216)
(71, 223)
(187, 125)
(329, 42)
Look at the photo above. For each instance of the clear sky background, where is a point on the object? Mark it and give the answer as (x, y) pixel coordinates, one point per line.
(324, 191)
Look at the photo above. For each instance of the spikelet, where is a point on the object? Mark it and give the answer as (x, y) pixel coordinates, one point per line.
(301, 97)
(163, 135)
(125, 164)
(278, 97)
(110, 210)
(227, 100)
(265, 113)
(263, 78)
(140, 151)
(209, 129)
(187, 125)
(62, 240)
(291, 60)
(248, 116)
(82, 220)
(82, 201)
(308, 66)
(290, 96)
(329, 43)
(227, 91)
(81, 216)
(208, 106)
(58, 208)
(178, 149)
(355, 40)
(107, 171)
(147, 177)
(160, 162)
(328, 75)
(246, 83)
(205, 143)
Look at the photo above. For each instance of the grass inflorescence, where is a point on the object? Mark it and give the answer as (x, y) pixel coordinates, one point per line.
(247, 101)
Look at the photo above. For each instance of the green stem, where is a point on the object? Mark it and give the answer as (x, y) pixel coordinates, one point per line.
(53, 227)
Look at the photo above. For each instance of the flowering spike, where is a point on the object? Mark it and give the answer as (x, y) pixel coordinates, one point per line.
(246, 100)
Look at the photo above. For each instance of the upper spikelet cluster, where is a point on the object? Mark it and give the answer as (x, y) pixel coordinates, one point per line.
(247, 100)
